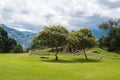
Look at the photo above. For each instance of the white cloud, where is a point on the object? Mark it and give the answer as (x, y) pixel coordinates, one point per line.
(114, 0)
(72, 13)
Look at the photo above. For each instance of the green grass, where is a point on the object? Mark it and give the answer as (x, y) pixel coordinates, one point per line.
(102, 66)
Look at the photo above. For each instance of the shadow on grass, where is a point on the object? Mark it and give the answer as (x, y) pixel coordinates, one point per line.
(72, 61)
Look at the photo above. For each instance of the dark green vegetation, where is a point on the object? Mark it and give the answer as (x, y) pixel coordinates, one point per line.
(110, 41)
(18, 49)
(21, 37)
(99, 66)
(58, 36)
(7, 44)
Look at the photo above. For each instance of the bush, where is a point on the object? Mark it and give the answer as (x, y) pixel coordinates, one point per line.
(17, 49)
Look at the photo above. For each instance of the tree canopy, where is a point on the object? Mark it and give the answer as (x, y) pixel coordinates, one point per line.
(53, 36)
(111, 40)
(6, 43)
(86, 39)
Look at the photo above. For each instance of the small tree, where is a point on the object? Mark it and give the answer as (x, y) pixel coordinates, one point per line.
(6, 43)
(18, 49)
(53, 36)
(110, 40)
(86, 39)
(72, 39)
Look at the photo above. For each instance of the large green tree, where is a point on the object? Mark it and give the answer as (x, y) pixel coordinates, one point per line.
(3, 39)
(86, 39)
(82, 39)
(53, 36)
(111, 38)
(17, 49)
(6, 43)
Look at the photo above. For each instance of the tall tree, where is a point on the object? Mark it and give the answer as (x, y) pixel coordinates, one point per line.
(53, 36)
(6, 43)
(86, 39)
(18, 49)
(3, 40)
(111, 40)
(82, 39)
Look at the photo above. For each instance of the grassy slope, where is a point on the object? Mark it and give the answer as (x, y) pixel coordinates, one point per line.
(103, 66)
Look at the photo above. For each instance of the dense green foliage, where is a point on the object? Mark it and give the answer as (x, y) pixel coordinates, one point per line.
(17, 49)
(111, 40)
(53, 36)
(103, 66)
(86, 39)
(6, 44)
(37, 45)
(73, 41)
(82, 39)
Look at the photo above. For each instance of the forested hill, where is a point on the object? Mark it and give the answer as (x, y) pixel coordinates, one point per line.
(22, 37)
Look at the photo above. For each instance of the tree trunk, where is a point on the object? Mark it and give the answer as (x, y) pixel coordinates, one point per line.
(70, 50)
(85, 55)
(56, 55)
(52, 49)
(73, 49)
(61, 49)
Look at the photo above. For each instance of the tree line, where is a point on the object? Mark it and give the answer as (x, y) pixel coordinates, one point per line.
(57, 36)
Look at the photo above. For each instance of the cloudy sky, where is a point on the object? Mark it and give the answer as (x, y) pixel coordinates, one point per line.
(33, 15)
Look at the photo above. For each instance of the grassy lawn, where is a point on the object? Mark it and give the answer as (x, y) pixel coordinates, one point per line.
(100, 66)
